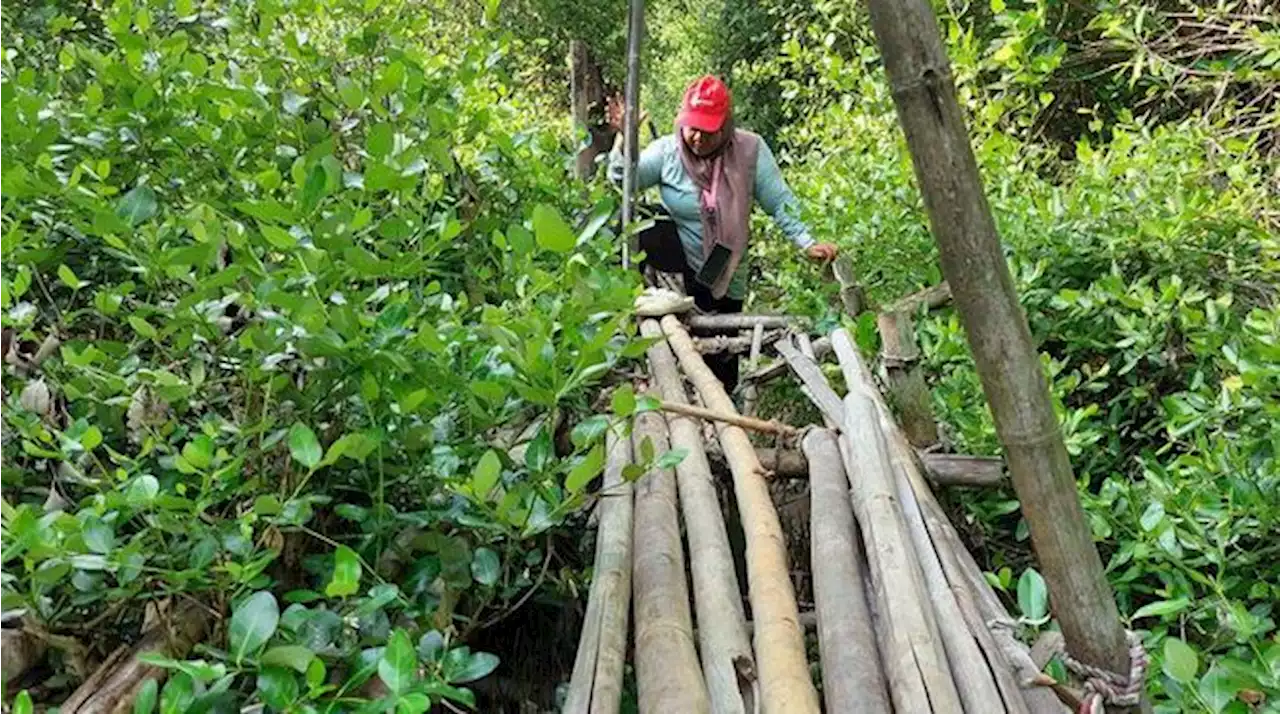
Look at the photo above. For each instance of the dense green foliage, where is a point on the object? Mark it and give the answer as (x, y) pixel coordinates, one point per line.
(311, 271)
(315, 266)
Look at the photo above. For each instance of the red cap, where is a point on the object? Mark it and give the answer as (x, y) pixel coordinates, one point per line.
(706, 104)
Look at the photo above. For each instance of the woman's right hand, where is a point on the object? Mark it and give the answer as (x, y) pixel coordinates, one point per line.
(616, 110)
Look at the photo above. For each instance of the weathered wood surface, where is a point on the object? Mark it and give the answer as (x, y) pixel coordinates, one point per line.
(815, 385)
(779, 642)
(963, 470)
(668, 677)
(900, 356)
(751, 391)
(736, 322)
(723, 639)
(595, 686)
(19, 651)
(852, 678)
(919, 676)
(717, 344)
(1007, 362)
(821, 349)
(113, 688)
(932, 297)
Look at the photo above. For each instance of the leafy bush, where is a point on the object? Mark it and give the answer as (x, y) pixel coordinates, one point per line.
(313, 278)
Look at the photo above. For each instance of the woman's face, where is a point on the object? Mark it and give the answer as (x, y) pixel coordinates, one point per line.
(702, 143)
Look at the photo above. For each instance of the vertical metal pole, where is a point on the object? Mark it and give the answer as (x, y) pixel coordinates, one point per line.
(631, 134)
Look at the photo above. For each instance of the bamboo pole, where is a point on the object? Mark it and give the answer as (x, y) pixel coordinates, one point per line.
(735, 322)
(667, 673)
(779, 643)
(1006, 358)
(852, 679)
(919, 676)
(723, 639)
(630, 122)
(596, 683)
(814, 383)
(1007, 658)
(714, 344)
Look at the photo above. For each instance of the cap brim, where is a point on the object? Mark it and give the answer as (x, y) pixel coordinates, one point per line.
(702, 121)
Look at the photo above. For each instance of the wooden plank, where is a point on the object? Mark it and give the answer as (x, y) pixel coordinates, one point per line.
(815, 384)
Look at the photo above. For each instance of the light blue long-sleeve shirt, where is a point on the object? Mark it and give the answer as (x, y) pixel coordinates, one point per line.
(659, 164)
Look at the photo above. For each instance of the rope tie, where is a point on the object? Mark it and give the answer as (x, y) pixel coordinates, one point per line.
(1102, 686)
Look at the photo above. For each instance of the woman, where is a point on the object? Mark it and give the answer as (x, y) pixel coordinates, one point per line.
(709, 174)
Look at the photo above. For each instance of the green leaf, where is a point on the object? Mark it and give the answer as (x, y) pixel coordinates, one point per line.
(199, 452)
(142, 491)
(550, 230)
(485, 566)
(412, 401)
(351, 93)
(589, 430)
(69, 278)
(485, 477)
(278, 237)
(672, 458)
(142, 327)
(346, 573)
(98, 535)
(1033, 595)
(314, 188)
(178, 694)
(277, 687)
(381, 140)
(304, 446)
(478, 666)
(1152, 516)
(295, 657)
(587, 469)
(624, 400)
(1220, 686)
(138, 205)
(146, 701)
(399, 664)
(22, 703)
(1162, 607)
(1180, 661)
(252, 624)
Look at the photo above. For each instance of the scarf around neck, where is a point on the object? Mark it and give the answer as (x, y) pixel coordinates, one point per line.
(726, 186)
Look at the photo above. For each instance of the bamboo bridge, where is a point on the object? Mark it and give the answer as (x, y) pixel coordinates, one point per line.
(905, 619)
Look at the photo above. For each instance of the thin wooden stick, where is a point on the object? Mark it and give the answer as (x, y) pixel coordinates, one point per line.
(751, 393)
(852, 679)
(667, 673)
(751, 423)
(934, 297)
(821, 349)
(723, 639)
(779, 642)
(596, 684)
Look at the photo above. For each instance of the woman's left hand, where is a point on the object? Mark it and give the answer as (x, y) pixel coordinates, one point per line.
(824, 252)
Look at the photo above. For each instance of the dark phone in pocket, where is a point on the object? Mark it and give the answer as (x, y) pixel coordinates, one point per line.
(715, 265)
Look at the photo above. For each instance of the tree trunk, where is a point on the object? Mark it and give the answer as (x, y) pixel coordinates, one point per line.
(852, 680)
(724, 643)
(114, 687)
(779, 642)
(586, 100)
(1006, 359)
(901, 358)
(596, 684)
(667, 674)
(630, 121)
